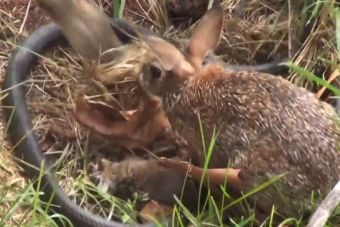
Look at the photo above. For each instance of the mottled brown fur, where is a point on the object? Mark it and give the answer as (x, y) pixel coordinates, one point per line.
(265, 125)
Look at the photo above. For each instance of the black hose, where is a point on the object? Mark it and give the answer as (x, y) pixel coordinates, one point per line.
(19, 123)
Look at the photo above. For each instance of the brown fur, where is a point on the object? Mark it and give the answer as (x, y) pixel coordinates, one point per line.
(84, 25)
(265, 126)
(132, 129)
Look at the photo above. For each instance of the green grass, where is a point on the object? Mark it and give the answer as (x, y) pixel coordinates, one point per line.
(118, 8)
(313, 78)
(337, 28)
(26, 200)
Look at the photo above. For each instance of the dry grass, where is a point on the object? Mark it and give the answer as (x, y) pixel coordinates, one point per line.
(255, 32)
(14, 26)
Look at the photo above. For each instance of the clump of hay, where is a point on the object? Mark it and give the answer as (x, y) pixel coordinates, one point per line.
(119, 76)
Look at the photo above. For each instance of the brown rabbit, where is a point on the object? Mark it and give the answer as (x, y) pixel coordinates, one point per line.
(265, 126)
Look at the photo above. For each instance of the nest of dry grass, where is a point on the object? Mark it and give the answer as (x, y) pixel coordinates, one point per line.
(254, 32)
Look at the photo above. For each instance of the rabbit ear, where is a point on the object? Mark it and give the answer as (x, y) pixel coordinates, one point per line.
(84, 25)
(206, 35)
(169, 56)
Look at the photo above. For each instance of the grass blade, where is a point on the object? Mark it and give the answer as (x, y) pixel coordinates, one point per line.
(310, 76)
(337, 29)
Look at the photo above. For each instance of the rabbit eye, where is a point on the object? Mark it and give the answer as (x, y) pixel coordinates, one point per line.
(155, 72)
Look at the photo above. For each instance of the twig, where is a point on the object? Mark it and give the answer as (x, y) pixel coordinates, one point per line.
(321, 215)
(25, 18)
(332, 77)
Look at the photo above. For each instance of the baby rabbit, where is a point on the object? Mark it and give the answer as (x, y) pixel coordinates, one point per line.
(147, 176)
(265, 126)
